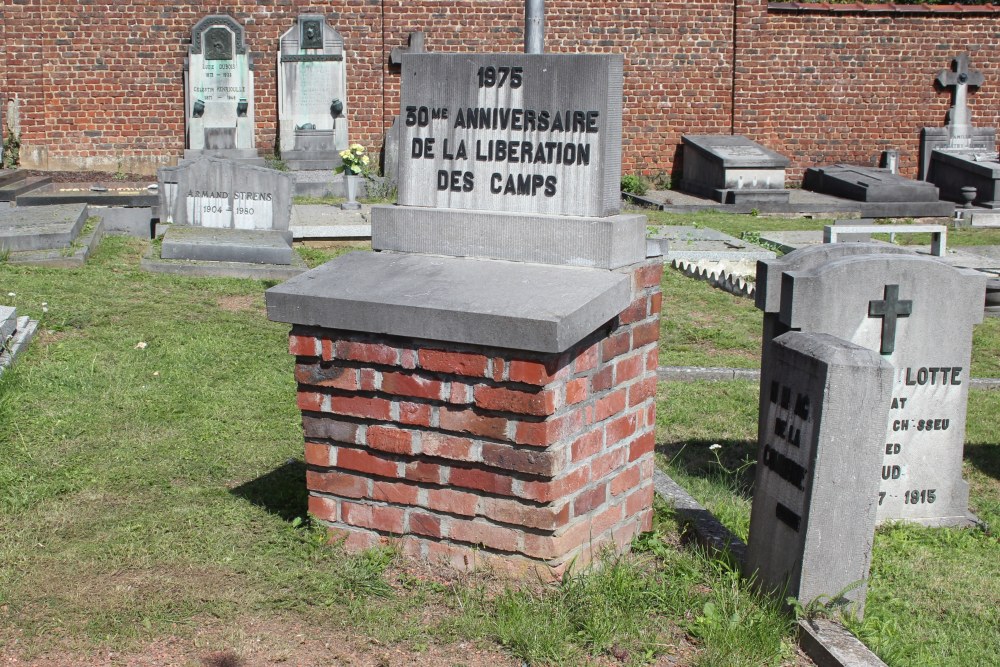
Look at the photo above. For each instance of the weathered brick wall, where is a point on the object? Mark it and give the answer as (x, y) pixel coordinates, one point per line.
(101, 83)
(841, 83)
(469, 454)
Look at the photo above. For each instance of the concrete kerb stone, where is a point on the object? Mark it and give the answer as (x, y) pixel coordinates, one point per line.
(826, 642)
(23, 334)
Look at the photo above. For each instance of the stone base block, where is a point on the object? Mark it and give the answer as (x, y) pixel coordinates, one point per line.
(468, 454)
(750, 196)
(244, 155)
(132, 221)
(227, 245)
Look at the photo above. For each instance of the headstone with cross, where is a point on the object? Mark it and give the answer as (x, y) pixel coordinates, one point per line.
(918, 314)
(960, 77)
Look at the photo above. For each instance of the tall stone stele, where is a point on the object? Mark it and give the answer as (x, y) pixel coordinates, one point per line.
(218, 92)
(312, 95)
(482, 386)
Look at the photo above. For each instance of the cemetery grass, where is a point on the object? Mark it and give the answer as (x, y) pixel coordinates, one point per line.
(152, 503)
(934, 593)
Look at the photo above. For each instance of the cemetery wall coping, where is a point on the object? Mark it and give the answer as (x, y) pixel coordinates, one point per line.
(889, 8)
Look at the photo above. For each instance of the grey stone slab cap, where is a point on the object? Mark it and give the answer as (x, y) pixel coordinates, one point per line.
(82, 193)
(601, 243)
(829, 644)
(868, 184)
(735, 151)
(227, 245)
(8, 323)
(474, 301)
(769, 271)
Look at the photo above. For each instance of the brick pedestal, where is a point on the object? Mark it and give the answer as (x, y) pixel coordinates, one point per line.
(469, 453)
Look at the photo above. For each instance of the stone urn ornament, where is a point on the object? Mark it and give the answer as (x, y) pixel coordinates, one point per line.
(969, 195)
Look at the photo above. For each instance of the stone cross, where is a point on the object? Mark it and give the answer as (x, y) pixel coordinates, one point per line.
(960, 117)
(889, 309)
(415, 44)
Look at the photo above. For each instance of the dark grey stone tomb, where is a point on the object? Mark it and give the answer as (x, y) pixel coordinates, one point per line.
(880, 193)
(733, 170)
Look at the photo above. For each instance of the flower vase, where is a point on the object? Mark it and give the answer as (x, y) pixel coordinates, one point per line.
(351, 182)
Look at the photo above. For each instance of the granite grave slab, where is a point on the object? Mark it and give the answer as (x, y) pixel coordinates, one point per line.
(219, 91)
(823, 407)
(693, 244)
(42, 227)
(208, 244)
(312, 94)
(882, 194)
(732, 169)
(918, 313)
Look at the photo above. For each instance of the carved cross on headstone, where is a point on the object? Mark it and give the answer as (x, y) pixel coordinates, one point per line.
(960, 117)
(415, 44)
(889, 309)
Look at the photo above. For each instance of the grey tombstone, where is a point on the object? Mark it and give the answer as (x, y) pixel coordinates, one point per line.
(218, 91)
(918, 313)
(8, 323)
(226, 194)
(883, 194)
(823, 401)
(504, 132)
(732, 169)
(312, 94)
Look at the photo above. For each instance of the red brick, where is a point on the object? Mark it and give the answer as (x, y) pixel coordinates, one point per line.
(652, 359)
(467, 421)
(499, 368)
(587, 359)
(415, 414)
(480, 532)
(614, 345)
(353, 541)
(536, 372)
(576, 391)
(405, 384)
(641, 391)
(360, 406)
(395, 492)
(590, 500)
(554, 546)
(369, 353)
(331, 429)
(408, 359)
(460, 393)
(644, 334)
(422, 471)
(505, 510)
(326, 346)
(603, 379)
(324, 509)
(533, 461)
(542, 434)
(362, 461)
(621, 428)
(611, 404)
(318, 454)
(628, 367)
(655, 303)
(635, 312)
(368, 379)
(303, 346)
(623, 534)
(453, 556)
(422, 523)
(502, 399)
(639, 500)
(457, 363)
(335, 377)
(644, 444)
(606, 463)
(446, 446)
(376, 517)
(337, 483)
(452, 501)
(482, 480)
(310, 400)
(625, 480)
(588, 444)
(390, 439)
(545, 492)
(648, 276)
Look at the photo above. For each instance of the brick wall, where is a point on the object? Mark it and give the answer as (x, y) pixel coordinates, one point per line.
(469, 454)
(101, 83)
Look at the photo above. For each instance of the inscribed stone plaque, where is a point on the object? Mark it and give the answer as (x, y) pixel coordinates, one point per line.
(226, 194)
(218, 76)
(512, 132)
(823, 404)
(312, 91)
(918, 313)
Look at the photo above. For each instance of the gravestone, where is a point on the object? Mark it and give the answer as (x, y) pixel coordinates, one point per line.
(505, 275)
(224, 210)
(312, 94)
(960, 155)
(15, 334)
(916, 312)
(883, 194)
(824, 402)
(733, 169)
(219, 92)
(8, 324)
